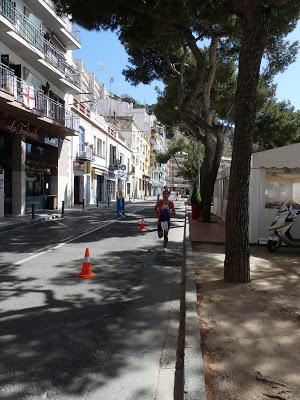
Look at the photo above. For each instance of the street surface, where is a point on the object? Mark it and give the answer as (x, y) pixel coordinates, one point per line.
(113, 337)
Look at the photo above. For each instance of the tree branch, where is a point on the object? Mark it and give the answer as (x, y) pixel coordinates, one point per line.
(200, 64)
(211, 75)
(171, 66)
(176, 160)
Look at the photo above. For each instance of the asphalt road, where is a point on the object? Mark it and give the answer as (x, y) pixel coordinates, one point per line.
(113, 337)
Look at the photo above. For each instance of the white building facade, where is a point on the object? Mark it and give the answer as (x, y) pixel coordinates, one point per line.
(37, 80)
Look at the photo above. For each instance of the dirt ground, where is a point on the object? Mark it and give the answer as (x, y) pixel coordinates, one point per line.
(250, 332)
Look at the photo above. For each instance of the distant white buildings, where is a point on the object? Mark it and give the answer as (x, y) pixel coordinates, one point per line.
(177, 183)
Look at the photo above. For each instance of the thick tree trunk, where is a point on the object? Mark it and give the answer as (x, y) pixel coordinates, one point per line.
(214, 146)
(236, 266)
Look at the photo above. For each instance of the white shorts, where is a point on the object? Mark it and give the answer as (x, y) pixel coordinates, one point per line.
(164, 225)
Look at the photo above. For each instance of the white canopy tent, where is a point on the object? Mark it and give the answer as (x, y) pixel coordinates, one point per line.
(274, 178)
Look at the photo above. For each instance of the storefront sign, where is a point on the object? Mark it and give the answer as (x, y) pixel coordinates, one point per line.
(111, 174)
(51, 141)
(23, 128)
(20, 127)
(78, 166)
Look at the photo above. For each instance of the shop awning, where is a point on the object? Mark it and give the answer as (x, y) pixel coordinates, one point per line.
(99, 171)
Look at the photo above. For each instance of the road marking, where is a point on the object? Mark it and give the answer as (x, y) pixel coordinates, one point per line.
(71, 239)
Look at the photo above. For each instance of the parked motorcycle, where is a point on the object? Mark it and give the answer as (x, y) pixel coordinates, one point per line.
(281, 226)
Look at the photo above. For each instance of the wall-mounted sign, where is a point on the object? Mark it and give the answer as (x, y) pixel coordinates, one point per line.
(78, 166)
(123, 167)
(23, 128)
(51, 141)
(20, 127)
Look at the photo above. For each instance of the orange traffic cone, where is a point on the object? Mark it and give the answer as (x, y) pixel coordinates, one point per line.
(142, 226)
(86, 271)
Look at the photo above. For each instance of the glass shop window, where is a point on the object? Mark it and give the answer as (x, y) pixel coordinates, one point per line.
(34, 152)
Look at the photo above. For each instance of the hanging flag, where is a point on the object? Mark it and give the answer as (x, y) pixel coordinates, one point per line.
(28, 96)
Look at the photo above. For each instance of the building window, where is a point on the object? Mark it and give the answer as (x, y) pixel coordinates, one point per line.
(99, 147)
(32, 79)
(81, 139)
(95, 145)
(112, 154)
(34, 152)
(103, 149)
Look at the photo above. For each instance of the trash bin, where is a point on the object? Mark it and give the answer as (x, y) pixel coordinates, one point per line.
(52, 202)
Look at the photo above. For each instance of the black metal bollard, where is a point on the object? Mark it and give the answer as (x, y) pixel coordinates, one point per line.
(62, 208)
(32, 211)
(83, 205)
(97, 202)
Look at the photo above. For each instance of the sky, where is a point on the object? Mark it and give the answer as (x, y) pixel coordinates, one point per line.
(103, 54)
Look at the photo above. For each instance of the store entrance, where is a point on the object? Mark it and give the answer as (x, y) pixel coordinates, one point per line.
(76, 189)
(100, 187)
(6, 164)
(41, 176)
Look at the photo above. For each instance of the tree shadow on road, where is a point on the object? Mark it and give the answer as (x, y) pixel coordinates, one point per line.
(75, 336)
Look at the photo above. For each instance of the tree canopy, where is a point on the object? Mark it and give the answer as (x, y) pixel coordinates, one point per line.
(277, 124)
(159, 36)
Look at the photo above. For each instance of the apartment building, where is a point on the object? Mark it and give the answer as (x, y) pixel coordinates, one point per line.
(101, 153)
(139, 175)
(158, 171)
(155, 179)
(37, 81)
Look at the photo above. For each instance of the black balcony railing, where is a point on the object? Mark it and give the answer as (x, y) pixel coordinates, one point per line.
(72, 28)
(114, 164)
(85, 153)
(34, 99)
(35, 36)
(7, 79)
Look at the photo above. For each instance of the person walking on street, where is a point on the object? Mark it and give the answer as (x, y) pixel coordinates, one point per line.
(164, 209)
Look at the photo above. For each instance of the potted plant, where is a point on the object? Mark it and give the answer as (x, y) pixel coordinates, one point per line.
(196, 203)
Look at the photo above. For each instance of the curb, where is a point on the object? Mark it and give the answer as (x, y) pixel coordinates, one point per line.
(194, 382)
(30, 222)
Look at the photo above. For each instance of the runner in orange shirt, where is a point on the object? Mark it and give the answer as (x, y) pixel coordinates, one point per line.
(164, 209)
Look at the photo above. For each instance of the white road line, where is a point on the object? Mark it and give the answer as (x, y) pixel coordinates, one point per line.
(70, 239)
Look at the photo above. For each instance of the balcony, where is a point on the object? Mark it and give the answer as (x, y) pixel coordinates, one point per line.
(132, 171)
(114, 164)
(85, 153)
(67, 32)
(43, 56)
(21, 94)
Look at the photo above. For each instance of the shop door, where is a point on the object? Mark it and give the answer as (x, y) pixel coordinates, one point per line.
(6, 164)
(76, 189)
(100, 188)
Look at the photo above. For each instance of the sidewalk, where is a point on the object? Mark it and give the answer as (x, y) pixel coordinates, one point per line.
(12, 222)
(213, 232)
(249, 332)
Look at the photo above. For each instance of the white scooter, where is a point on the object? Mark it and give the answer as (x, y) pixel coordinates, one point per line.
(281, 226)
